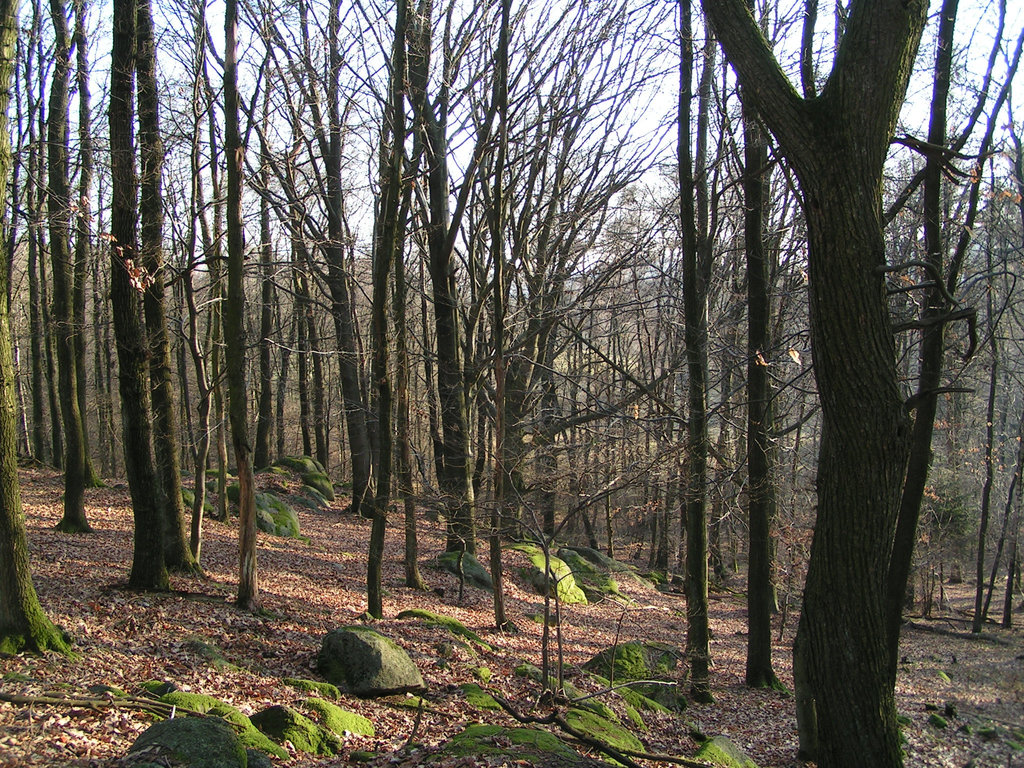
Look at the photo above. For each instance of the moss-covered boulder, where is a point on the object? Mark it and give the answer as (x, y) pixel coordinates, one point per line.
(321, 689)
(320, 483)
(476, 575)
(312, 472)
(531, 672)
(454, 626)
(603, 729)
(248, 734)
(313, 476)
(624, 572)
(188, 742)
(596, 581)
(364, 662)
(520, 746)
(275, 516)
(283, 723)
(311, 498)
(642, 661)
(550, 575)
(303, 465)
(336, 719)
(631, 696)
(188, 498)
(723, 753)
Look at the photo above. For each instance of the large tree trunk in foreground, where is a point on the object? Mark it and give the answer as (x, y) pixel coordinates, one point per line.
(837, 145)
(23, 625)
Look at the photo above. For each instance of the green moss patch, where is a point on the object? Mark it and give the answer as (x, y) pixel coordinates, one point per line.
(641, 661)
(722, 753)
(275, 516)
(555, 580)
(476, 575)
(321, 689)
(201, 704)
(283, 723)
(596, 582)
(603, 729)
(532, 745)
(479, 698)
(454, 626)
(338, 720)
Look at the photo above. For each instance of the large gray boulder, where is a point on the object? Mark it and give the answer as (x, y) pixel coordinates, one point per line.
(189, 742)
(365, 663)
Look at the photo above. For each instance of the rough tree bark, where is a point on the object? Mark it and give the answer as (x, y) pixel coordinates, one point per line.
(149, 571)
(23, 625)
(837, 144)
(166, 448)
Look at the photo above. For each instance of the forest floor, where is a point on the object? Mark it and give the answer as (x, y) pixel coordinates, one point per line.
(307, 589)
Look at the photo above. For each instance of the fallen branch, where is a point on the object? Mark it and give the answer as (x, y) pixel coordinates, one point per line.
(153, 706)
(98, 704)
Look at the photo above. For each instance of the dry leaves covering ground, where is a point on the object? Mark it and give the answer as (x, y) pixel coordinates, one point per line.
(124, 638)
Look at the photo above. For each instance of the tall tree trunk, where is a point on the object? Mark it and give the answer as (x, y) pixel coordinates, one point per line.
(695, 287)
(35, 327)
(761, 463)
(986, 489)
(58, 204)
(149, 571)
(342, 305)
(234, 322)
(321, 451)
(837, 145)
(282, 381)
(413, 578)
(264, 410)
(496, 222)
(455, 476)
(388, 244)
(302, 302)
(83, 229)
(932, 341)
(165, 434)
(198, 225)
(23, 625)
